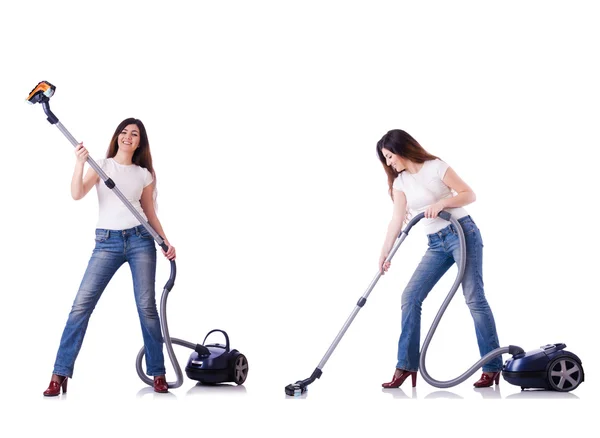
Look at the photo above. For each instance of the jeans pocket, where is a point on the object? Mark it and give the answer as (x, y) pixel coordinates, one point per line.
(101, 235)
(434, 242)
(144, 234)
(469, 227)
(475, 235)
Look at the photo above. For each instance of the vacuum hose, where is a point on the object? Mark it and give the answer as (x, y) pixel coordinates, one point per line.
(485, 359)
(169, 341)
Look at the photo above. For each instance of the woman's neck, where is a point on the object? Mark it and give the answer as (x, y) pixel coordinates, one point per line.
(123, 158)
(412, 167)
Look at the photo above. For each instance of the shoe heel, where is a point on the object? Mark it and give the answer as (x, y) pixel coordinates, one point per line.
(414, 379)
(497, 378)
(55, 387)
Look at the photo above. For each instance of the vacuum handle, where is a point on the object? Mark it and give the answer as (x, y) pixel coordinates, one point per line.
(442, 214)
(225, 334)
(445, 215)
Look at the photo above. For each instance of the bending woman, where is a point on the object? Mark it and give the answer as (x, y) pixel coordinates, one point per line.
(422, 183)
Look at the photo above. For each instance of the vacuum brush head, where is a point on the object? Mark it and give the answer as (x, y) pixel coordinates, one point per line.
(42, 91)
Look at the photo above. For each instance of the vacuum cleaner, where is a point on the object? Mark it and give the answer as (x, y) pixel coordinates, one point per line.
(212, 363)
(217, 363)
(550, 367)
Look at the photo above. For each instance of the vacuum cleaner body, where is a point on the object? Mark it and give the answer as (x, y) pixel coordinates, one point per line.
(550, 367)
(217, 363)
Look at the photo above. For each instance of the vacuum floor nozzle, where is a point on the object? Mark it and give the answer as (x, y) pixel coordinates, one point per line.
(295, 390)
(41, 90)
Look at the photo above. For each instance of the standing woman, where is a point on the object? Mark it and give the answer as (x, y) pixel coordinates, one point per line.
(120, 238)
(422, 183)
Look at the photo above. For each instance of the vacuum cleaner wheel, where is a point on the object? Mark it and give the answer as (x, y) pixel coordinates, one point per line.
(565, 374)
(239, 369)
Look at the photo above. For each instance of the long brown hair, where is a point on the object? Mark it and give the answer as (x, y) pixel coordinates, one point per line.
(400, 143)
(142, 155)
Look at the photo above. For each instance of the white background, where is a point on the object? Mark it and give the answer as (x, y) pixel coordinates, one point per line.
(263, 118)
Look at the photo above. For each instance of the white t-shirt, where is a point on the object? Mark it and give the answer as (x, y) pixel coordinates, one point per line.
(130, 180)
(426, 187)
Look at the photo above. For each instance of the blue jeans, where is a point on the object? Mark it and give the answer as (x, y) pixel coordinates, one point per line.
(113, 248)
(443, 251)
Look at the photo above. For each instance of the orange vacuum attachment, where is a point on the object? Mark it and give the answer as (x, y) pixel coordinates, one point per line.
(41, 90)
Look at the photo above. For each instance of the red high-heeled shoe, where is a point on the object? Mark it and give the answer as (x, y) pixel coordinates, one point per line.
(487, 380)
(54, 387)
(160, 384)
(399, 380)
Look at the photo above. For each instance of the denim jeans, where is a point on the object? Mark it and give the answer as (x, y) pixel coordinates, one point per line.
(113, 248)
(443, 251)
